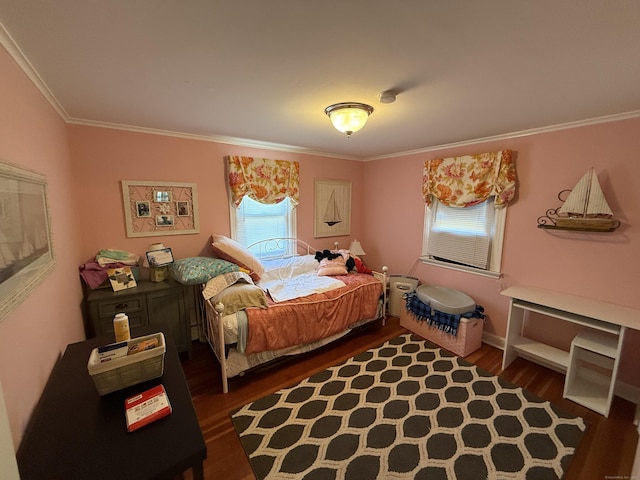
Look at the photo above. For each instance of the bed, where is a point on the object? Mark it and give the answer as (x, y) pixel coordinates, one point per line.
(293, 300)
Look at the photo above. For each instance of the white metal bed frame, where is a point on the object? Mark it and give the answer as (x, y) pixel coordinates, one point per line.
(270, 249)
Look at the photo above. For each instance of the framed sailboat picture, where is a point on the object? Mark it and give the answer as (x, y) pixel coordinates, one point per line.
(332, 208)
(26, 251)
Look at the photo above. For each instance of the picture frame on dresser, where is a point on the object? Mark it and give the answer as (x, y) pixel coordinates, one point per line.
(160, 258)
(26, 248)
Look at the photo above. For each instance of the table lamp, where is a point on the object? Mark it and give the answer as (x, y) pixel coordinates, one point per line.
(356, 248)
(158, 257)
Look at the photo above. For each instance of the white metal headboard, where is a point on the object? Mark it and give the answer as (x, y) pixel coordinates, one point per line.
(280, 247)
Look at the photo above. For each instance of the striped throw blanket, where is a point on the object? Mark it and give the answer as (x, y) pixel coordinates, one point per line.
(447, 322)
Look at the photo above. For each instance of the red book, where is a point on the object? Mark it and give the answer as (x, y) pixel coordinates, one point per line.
(146, 407)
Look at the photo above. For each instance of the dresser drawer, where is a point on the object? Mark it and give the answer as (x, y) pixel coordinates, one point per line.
(128, 305)
(168, 306)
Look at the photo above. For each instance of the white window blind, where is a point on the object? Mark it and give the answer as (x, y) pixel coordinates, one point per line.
(254, 221)
(461, 235)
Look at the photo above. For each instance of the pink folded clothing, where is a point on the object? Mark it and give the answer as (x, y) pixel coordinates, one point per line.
(95, 275)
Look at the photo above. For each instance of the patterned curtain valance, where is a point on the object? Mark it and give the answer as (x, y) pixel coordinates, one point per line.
(470, 179)
(264, 180)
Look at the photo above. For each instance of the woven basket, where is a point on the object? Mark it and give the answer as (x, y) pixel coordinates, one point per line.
(468, 339)
(129, 370)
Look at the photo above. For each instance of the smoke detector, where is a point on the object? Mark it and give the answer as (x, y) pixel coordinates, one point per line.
(387, 96)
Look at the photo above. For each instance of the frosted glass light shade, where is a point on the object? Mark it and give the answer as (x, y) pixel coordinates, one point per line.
(356, 248)
(348, 117)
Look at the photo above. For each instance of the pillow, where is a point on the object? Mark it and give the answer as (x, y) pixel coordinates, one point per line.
(230, 250)
(360, 266)
(240, 296)
(335, 266)
(217, 284)
(195, 270)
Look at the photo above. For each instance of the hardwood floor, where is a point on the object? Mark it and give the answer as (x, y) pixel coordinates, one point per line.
(606, 452)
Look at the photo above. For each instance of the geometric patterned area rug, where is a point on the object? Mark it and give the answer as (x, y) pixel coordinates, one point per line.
(406, 409)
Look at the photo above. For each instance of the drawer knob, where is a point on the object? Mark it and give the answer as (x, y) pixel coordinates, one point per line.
(120, 306)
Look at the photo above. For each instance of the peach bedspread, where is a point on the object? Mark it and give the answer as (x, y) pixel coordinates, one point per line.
(310, 318)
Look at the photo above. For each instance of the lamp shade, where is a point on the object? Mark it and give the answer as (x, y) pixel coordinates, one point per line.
(348, 117)
(356, 248)
(154, 247)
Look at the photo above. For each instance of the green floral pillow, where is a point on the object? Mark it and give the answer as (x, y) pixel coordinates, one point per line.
(194, 270)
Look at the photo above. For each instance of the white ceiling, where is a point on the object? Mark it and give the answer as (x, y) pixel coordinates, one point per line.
(265, 70)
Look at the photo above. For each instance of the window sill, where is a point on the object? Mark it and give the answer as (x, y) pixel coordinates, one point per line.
(460, 268)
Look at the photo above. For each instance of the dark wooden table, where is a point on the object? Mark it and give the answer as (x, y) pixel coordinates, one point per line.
(76, 434)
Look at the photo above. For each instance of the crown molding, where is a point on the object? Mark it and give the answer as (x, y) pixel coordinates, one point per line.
(7, 41)
(522, 133)
(242, 142)
(12, 48)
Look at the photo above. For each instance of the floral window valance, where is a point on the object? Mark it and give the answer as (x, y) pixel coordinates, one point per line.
(264, 180)
(471, 179)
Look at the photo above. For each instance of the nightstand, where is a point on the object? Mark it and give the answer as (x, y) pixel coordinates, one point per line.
(167, 305)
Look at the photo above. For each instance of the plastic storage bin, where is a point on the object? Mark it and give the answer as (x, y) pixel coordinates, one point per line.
(398, 286)
(129, 370)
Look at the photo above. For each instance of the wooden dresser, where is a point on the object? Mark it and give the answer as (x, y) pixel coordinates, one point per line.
(167, 305)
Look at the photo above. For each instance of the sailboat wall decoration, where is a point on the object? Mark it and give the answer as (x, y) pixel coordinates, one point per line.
(332, 213)
(332, 208)
(584, 209)
(26, 249)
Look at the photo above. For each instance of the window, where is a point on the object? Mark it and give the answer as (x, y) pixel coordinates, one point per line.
(468, 239)
(254, 221)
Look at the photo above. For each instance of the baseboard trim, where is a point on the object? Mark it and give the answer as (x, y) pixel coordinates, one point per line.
(493, 340)
(624, 390)
(628, 392)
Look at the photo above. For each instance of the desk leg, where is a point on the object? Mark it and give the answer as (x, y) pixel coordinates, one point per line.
(514, 332)
(198, 471)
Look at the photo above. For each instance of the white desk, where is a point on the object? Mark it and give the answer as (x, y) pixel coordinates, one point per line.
(592, 364)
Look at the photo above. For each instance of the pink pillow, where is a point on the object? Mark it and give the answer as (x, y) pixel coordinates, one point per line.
(231, 251)
(336, 266)
(360, 266)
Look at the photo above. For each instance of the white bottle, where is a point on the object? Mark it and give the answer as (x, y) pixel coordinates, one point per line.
(121, 327)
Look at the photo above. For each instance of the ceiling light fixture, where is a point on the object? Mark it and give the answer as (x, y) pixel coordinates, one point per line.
(348, 117)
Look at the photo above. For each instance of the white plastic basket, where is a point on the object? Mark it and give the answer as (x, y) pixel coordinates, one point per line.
(129, 370)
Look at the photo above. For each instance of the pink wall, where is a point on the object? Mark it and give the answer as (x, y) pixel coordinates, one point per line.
(103, 157)
(33, 136)
(603, 266)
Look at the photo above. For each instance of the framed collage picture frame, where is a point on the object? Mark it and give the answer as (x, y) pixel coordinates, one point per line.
(160, 208)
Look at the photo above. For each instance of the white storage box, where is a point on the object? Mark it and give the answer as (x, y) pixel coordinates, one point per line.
(128, 370)
(468, 339)
(398, 286)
